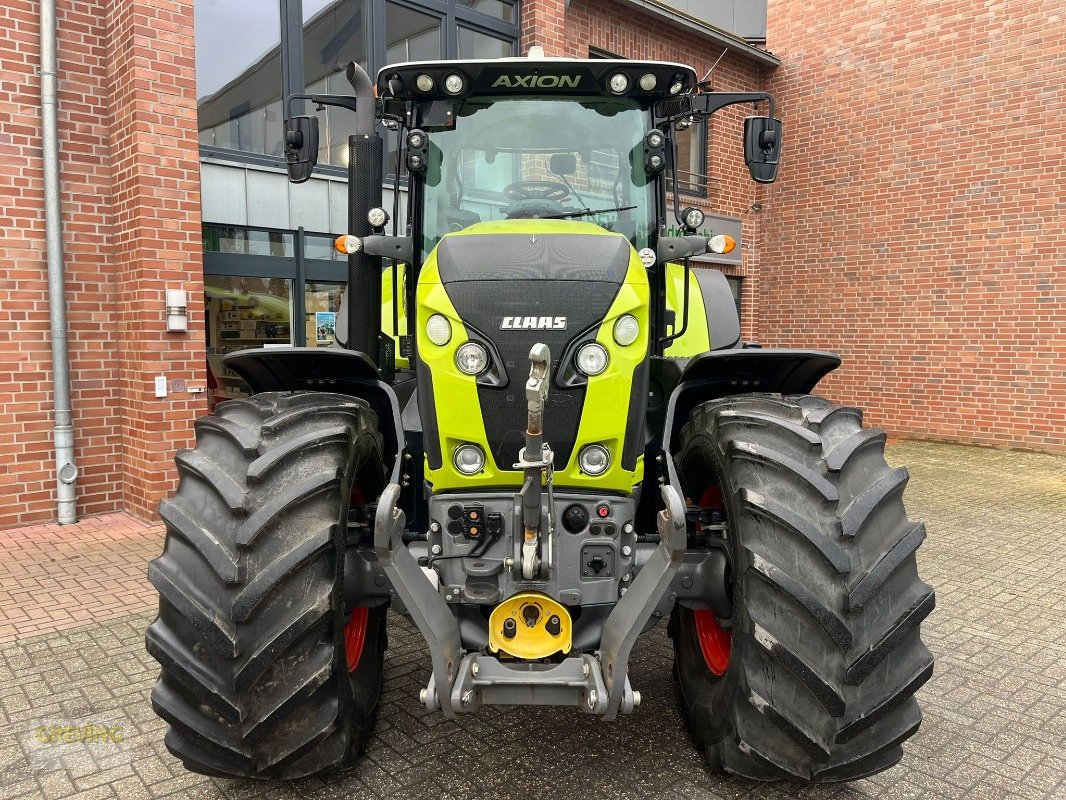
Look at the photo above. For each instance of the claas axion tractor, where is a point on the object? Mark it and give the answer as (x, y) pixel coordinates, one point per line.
(539, 436)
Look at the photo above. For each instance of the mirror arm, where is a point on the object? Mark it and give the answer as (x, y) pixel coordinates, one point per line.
(710, 102)
(672, 248)
(400, 248)
(323, 100)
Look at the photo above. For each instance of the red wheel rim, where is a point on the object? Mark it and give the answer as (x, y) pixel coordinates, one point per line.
(357, 498)
(715, 641)
(711, 498)
(355, 636)
(355, 630)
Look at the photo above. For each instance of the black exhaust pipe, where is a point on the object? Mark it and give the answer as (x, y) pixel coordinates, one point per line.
(364, 193)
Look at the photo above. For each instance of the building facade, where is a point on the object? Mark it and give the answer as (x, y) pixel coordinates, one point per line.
(917, 224)
(172, 179)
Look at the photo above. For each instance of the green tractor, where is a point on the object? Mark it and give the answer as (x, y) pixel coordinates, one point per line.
(540, 436)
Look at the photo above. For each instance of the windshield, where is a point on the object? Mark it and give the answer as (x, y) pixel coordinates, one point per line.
(539, 158)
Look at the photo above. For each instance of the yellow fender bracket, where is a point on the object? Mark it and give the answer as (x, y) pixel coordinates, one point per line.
(530, 625)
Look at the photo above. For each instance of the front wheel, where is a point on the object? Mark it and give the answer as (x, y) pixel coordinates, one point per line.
(814, 674)
(264, 674)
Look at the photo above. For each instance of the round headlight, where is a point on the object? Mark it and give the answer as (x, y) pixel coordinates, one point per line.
(453, 84)
(676, 87)
(415, 139)
(619, 83)
(656, 161)
(626, 330)
(647, 82)
(471, 358)
(594, 459)
(693, 218)
(438, 330)
(377, 217)
(424, 83)
(469, 459)
(592, 358)
(655, 139)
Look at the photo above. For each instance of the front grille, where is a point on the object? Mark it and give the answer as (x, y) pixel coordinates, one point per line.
(484, 304)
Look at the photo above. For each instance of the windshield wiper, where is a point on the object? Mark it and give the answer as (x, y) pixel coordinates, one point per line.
(586, 212)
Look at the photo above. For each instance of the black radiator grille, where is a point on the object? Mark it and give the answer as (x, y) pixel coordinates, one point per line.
(484, 304)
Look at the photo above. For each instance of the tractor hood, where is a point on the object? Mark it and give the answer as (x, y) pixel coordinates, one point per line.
(534, 250)
(511, 284)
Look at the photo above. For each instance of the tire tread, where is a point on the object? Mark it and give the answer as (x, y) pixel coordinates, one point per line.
(827, 659)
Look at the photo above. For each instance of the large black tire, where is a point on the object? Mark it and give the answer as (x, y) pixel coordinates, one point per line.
(826, 654)
(254, 680)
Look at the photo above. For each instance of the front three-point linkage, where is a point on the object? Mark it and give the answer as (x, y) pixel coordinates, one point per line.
(536, 470)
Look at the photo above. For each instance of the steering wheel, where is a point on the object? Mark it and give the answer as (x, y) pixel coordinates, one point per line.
(536, 190)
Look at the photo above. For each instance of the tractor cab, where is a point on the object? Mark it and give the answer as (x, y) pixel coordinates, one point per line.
(508, 141)
(532, 139)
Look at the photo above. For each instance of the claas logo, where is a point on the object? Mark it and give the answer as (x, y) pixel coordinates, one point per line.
(533, 324)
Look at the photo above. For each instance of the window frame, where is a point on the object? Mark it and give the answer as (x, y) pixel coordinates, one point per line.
(703, 178)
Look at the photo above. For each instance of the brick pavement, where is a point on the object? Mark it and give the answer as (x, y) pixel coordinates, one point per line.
(995, 710)
(54, 577)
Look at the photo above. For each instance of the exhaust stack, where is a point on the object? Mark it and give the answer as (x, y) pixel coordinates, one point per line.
(364, 193)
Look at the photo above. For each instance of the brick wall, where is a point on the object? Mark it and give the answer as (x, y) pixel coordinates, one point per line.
(624, 30)
(131, 220)
(916, 227)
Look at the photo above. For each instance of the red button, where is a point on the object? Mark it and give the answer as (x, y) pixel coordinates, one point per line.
(603, 510)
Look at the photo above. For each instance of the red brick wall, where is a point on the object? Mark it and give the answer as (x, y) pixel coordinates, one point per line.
(916, 227)
(624, 30)
(152, 78)
(129, 168)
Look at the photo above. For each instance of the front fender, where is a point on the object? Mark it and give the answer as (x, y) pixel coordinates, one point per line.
(721, 373)
(322, 369)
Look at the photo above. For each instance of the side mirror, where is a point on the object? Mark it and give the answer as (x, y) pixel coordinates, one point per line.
(301, 147)
(762, 147)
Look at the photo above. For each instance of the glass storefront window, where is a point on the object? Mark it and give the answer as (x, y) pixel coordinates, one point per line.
(238, 77)
(322, 301)
(411, 35)
(334, 33)
(247, 241)
(494, 8)
(474, 44)
(243, 50)
(242, 312)
(320, 248)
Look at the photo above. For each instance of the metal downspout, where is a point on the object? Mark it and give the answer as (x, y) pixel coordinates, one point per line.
(66, 471)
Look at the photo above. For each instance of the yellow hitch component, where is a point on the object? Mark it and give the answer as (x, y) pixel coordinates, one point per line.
(530, 625)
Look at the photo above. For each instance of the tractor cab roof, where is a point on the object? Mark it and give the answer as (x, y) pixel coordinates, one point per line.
(647, 82)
